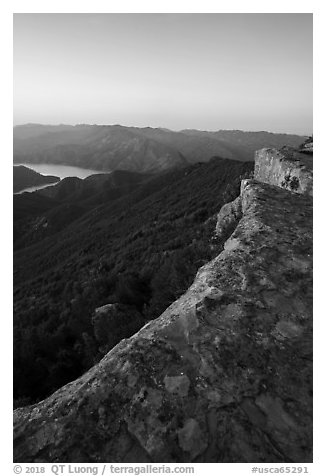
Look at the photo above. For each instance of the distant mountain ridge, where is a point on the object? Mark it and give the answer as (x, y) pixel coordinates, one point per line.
(112, 147)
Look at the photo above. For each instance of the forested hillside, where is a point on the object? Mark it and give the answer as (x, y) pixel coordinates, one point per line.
(138, 244)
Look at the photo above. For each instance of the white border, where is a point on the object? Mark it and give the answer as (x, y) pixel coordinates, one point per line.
(168, 6)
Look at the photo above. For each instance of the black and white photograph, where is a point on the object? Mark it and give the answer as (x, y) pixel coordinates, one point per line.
(162, 240)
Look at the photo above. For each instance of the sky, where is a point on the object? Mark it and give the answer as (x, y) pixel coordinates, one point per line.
(198, 71)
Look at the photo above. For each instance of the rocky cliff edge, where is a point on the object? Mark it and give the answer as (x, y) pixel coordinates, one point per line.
(224, 374)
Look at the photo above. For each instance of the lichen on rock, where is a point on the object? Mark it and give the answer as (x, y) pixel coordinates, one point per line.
(287, 168)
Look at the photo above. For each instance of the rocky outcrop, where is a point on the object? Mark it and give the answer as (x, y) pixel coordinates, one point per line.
(224, 374)
(307, 147)
(228, 218)
(286, 168)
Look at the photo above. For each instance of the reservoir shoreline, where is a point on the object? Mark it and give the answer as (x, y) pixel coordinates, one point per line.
(59, 170)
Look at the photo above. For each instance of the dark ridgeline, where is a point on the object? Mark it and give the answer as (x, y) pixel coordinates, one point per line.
(24, 177)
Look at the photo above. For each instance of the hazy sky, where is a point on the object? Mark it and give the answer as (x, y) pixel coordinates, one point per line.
(203, 71)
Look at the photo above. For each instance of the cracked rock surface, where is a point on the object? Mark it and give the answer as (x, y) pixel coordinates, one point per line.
(223, 375)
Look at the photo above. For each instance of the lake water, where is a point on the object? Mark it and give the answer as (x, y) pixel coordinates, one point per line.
(58, 170)
(62, 171)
